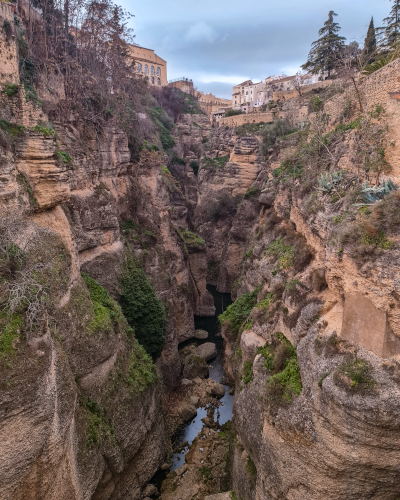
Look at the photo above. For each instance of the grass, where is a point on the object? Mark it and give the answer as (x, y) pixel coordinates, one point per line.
(249, 128)
(378, 240)
(97, 424)
(247, 373)
(106, 312)
(191, 238)
(205, 472)
(236, 313)
(265, 303)
(285, 383)
(283, 253)
(10, 330)
(358, 372)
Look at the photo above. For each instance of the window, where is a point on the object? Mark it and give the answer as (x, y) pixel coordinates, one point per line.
(152, 80)
(152, 70)
(247, 93)
(139, 67)
(158, 81)
(158, 72)
(146, 69)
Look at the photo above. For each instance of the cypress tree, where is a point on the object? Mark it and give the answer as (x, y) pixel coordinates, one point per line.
(391, 30)
(323, 54)
(369, 50)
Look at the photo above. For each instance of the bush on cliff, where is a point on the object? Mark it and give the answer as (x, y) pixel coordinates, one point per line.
(272, 131)
(142, 309)
(233, 112)
(238, 312)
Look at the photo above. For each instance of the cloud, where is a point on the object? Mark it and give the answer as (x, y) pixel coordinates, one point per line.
(201, 32)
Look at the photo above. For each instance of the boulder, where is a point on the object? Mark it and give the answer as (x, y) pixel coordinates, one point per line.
(218, 390)
(207, 351)
(194, 400)
(150, 490)
(195, 366)
(219, 496)
(185, 382)
(165, 466)
(200, 334)
(188, 412)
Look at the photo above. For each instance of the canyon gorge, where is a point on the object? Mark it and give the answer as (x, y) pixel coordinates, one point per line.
(277, 215)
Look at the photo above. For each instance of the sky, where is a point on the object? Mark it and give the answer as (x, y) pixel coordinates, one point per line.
(220, 43)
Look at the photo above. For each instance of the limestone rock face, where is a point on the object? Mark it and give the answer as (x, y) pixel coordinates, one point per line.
(195, 366)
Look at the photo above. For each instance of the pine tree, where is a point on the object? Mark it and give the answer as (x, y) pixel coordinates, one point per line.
(324, 51)
(369, 50)
(391, 30)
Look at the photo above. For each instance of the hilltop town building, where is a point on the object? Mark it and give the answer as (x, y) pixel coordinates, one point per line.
(149, 65)
(249, 96)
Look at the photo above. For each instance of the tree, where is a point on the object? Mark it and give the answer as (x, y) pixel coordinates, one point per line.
(369, 50)
(324, 51)
(391, 30)
(298, 81)
(143, 310)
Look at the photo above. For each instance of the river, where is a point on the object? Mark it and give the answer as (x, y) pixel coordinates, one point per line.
(224, 412)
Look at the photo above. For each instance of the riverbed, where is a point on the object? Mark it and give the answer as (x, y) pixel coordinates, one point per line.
(224, 412)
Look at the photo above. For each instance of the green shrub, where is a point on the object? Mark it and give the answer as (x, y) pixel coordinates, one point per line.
(98, 424)
(286, 384)
(252, 192)
(45, 131)
(358, 372)
(233, 112)
(247, 373)
(288, 169)
(283, 253)
(194, 165)
(249, 128)
(236, 313)
(215, 163)
(11, 129)
(265, 303)
(10, 89)
(142, 371)
(268, 355)
(251, 467)
(272, 131)
(64, 157)
(315, 104)
(224, 206)
(164, 125)
(177, 160)
(142, 309)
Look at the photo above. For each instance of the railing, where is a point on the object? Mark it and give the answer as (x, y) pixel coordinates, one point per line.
(183, 79)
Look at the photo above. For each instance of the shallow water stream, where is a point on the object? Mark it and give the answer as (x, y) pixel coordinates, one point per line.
(224, 412)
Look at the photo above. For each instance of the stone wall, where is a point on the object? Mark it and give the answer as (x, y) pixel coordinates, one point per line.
(235, 121)
(290, 94)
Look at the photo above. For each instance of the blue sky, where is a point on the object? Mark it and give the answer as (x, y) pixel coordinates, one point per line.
(218, 43)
